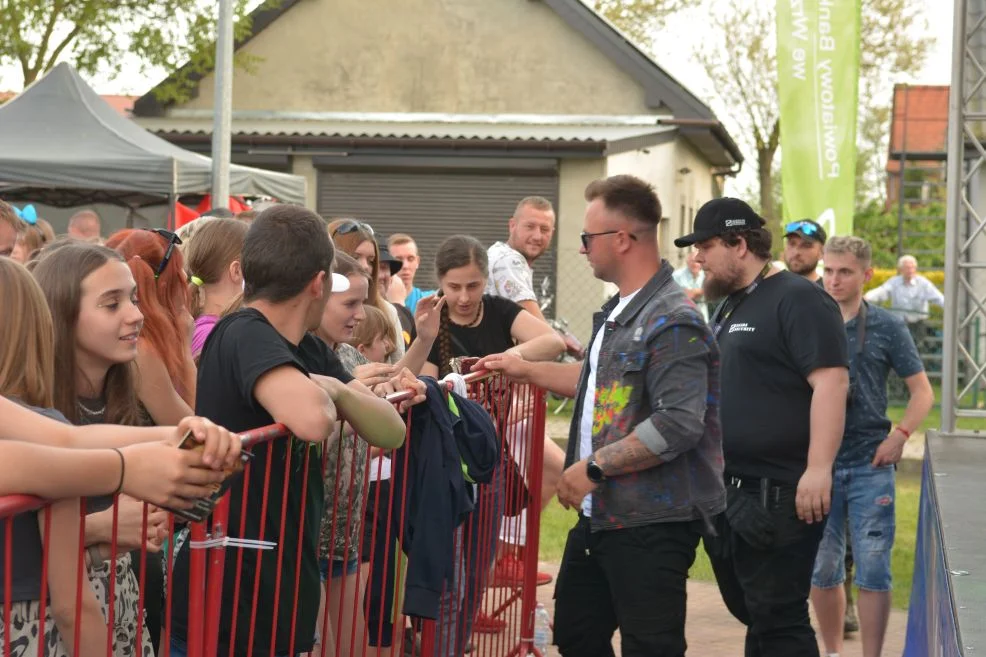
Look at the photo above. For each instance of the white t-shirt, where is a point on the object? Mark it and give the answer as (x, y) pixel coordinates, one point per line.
(589, 399)
(510, 276)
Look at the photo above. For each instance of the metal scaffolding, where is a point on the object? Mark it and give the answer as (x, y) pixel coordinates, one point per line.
(964, 352)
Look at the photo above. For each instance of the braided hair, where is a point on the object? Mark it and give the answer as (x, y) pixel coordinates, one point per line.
(455, 252)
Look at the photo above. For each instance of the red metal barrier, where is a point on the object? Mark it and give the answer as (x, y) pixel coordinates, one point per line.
(490, 611)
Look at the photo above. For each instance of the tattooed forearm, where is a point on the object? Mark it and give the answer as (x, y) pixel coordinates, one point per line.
(626, 456)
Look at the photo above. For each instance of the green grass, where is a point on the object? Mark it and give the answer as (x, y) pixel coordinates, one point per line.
(933, 421)
(556, 522)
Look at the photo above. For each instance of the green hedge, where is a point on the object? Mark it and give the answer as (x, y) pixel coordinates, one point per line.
(880, 276)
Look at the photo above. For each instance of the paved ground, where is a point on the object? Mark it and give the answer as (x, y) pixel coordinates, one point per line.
(712, 631)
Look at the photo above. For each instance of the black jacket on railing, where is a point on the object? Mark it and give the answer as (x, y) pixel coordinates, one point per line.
(438, 497)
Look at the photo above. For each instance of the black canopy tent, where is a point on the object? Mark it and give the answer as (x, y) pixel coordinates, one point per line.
(62, 145)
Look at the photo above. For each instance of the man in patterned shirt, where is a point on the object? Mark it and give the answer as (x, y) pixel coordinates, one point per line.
(863, 483)
(511, 273)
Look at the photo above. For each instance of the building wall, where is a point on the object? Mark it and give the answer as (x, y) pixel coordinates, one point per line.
(302, 165)
(467, 56)
(579, 293)
(683, 181)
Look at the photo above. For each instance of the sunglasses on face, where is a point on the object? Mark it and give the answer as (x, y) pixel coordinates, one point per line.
(172, 240)
(353, 226)
(804, 227)
(585, 237)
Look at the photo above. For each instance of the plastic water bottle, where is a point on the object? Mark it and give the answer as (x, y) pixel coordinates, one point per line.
(542, 629)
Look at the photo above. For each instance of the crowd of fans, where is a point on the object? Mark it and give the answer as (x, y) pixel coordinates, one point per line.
(246, 320)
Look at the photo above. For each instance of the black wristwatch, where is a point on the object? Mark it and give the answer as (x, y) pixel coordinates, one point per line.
(594, 472)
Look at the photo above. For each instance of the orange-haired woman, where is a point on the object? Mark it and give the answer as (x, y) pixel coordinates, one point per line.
(166, 385)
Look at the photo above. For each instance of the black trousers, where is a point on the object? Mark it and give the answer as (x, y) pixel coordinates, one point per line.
(632, 579)
(767, 589)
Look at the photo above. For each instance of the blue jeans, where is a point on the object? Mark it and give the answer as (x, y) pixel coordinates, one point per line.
(180, 649)
(865, 495)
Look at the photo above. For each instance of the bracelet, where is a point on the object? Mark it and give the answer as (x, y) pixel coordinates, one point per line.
(123, 470)
(907, 434)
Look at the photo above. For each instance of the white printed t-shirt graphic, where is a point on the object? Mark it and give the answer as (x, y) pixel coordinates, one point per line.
(589, 399)
(510, 276)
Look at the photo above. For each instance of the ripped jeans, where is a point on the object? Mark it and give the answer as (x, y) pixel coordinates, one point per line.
(865, 495)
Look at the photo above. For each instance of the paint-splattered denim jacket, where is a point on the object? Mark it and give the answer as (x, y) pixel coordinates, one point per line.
(658, 376)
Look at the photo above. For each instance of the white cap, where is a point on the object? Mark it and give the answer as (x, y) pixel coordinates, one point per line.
(339, 283)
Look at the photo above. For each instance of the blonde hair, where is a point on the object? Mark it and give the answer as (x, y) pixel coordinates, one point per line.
(27, 338)
(212, 249)
(852, 245)
(9, 217)
(35, 236)
(190, 230)
(374, 325)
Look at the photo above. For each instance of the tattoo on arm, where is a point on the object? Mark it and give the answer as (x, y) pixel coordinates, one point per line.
(626, 456)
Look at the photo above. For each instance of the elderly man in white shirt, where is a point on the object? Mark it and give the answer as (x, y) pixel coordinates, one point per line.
(909, 294)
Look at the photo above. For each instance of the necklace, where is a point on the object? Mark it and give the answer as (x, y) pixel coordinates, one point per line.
(475, 320)
(90, 412)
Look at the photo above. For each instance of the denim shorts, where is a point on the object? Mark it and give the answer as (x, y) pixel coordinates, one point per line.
(865, 495)
(180, 649)
(339, 568)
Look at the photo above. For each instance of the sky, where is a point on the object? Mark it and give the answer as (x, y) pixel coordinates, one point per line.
(672, 50)
(673, 54)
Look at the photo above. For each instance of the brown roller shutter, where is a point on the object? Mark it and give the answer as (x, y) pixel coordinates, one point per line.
(431, 206)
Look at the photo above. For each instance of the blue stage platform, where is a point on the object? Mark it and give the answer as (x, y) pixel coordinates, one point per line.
(947, 614)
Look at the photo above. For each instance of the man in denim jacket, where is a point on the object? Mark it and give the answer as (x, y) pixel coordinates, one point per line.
(644, 463)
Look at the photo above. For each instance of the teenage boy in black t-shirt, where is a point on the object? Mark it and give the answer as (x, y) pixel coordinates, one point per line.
(784, 380)
(260, 366)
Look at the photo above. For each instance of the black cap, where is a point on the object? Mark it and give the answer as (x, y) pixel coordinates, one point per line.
(395, 264)
(806, 228)
(718, 216)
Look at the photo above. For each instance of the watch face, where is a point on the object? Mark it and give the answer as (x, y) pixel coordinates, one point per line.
(594, 472)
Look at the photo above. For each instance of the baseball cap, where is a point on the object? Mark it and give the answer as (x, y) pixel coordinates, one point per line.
(339, 283)
(806, 228)
(395, 264)
(718, 216)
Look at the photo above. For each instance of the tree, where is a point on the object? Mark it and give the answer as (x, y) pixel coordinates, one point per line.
(640, 18)
(737, 52)
(96, 35)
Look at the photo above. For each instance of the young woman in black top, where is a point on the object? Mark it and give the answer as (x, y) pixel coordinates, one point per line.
(478, 324)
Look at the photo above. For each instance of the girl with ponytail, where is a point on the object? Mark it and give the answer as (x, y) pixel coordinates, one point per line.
(215, 277)
(166, 385)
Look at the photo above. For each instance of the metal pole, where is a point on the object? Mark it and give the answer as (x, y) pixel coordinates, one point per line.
(223, 106)
(954, 217)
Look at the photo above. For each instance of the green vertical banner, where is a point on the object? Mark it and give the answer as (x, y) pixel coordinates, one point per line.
(818, 85)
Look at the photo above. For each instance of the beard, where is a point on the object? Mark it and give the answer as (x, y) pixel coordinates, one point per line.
(721, 286)
(801, 268)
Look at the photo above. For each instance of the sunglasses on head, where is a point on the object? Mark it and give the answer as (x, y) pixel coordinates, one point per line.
(172, 241)
(803, 227)
(353, 226)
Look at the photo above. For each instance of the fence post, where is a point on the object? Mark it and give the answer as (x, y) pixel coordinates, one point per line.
(196, 591)
(214, 577)
(529, 597)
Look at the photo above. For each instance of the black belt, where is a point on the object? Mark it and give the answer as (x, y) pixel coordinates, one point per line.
(768, 488)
